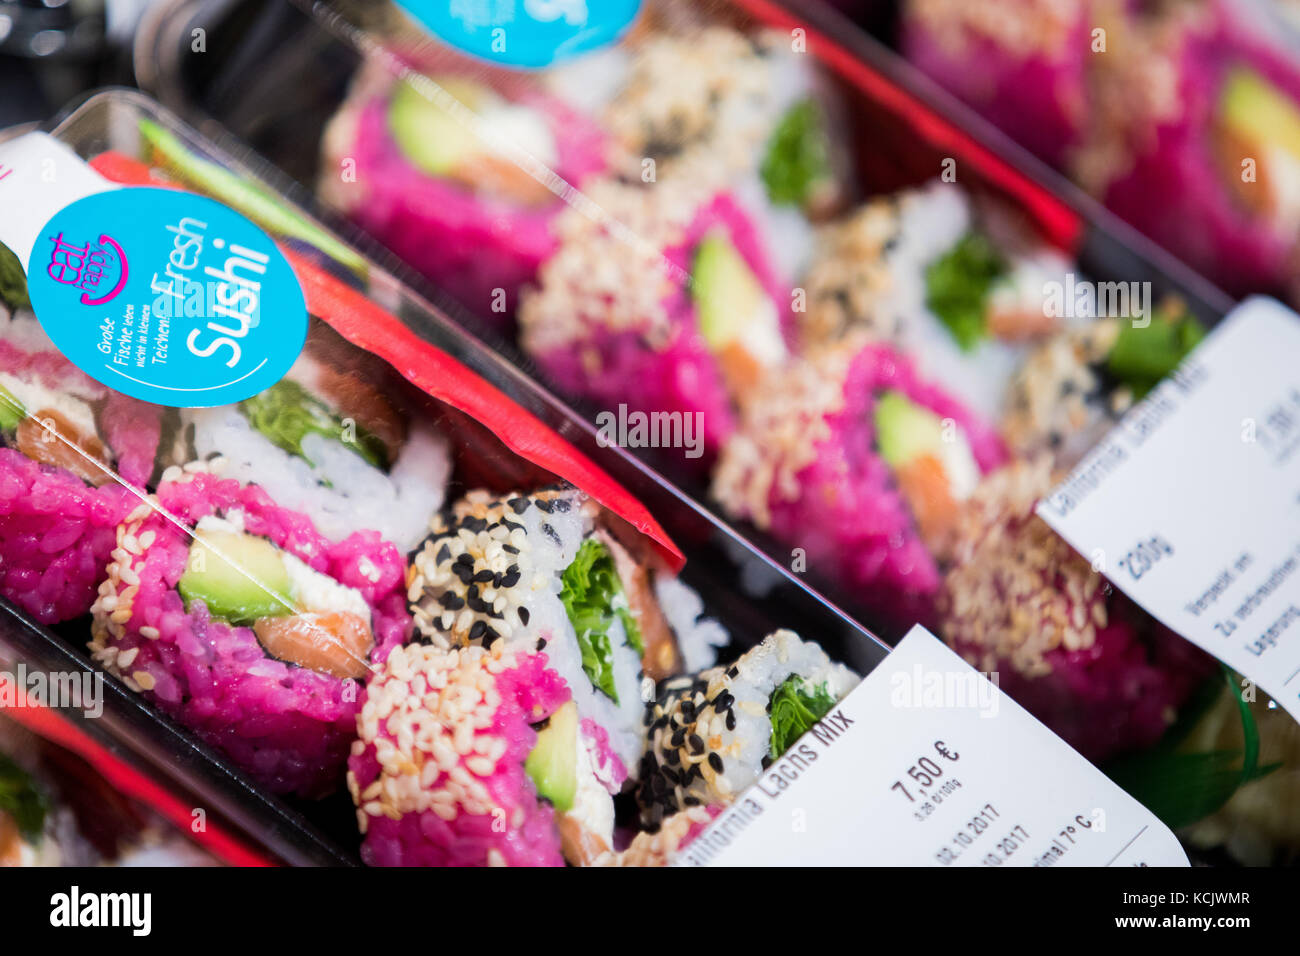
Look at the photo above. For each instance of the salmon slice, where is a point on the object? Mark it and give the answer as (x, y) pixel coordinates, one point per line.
(660, 659)
(50, 438)
(501, 177)
(352, 396)
(580, 846)
(11, 842)
(924, 484)
(337, 643)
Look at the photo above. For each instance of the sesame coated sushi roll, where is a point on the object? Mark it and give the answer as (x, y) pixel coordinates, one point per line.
(539, 573)
(1066, 645)
(859, 462)
(460, 173)
(1073, 388)
(443, 770)
(239, 619)
(711, 735)
(69, 449)
(329, 437)
(669, 305)
(961, 293)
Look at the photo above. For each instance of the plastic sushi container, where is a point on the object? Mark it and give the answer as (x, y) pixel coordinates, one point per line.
(262, 590)
(601, 222)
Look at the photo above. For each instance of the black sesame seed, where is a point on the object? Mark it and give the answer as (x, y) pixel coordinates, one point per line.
(520, 505)
(731, 720)
(485, 575)
(544, 506)
(678, 738)
(715, 762)
(444, 554)
(696, 743)
(509, 549)
(541, 646)
(550, 533)
(476, 630)
(523, 616)
(465, 558)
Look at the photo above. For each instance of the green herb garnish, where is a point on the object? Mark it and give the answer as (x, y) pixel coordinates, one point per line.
(957, 287)
(1141, 357)
(794, 707)
(1183, 787)
(21, 799)
(796, 161)
(593, 597)
(13, 280)
(286, 414)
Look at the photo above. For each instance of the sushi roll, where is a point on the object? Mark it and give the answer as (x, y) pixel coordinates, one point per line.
(962, 293)
(1023, 64)
(1073, 388)
(238, 618)
(711, 735)
(856, 460)
(473, 756)
(670, 306)
(542, 573)
(460, 173)
(1066, 645)
(742, 111)
(1196, 139)
(330, 437)
(71, 452)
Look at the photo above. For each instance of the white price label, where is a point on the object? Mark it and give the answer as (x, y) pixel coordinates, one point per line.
(927, 763)
(1191, 505)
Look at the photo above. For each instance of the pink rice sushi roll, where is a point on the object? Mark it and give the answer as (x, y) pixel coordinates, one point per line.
(1021, 63)
(459, 173)
(236, 617)
(440, 771)
(667, 305)
(1066, 645)
(860, 464)
(70, 453)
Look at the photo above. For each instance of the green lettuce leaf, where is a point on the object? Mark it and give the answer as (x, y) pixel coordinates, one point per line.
(21, 799)
(286, 414)
(594, 598)
(796, 159)
(957, 286)
(1141, 357)
(794, 707)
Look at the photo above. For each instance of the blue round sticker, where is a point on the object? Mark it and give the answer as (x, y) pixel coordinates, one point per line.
(530, 33)
(169, 297)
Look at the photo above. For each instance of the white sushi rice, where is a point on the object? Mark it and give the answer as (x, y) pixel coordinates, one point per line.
(340, 492)
(761, 671)
(698, 637)
(549, 621)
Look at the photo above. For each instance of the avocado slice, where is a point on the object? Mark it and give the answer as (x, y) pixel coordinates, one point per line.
(1256, 113)
(11, 410)
(726, 292)
(906, 431)
(252, 584)
(553, 763)
(433, 140)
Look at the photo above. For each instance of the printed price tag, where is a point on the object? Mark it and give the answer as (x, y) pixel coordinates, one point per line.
(927, 763)
(1192, 504)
